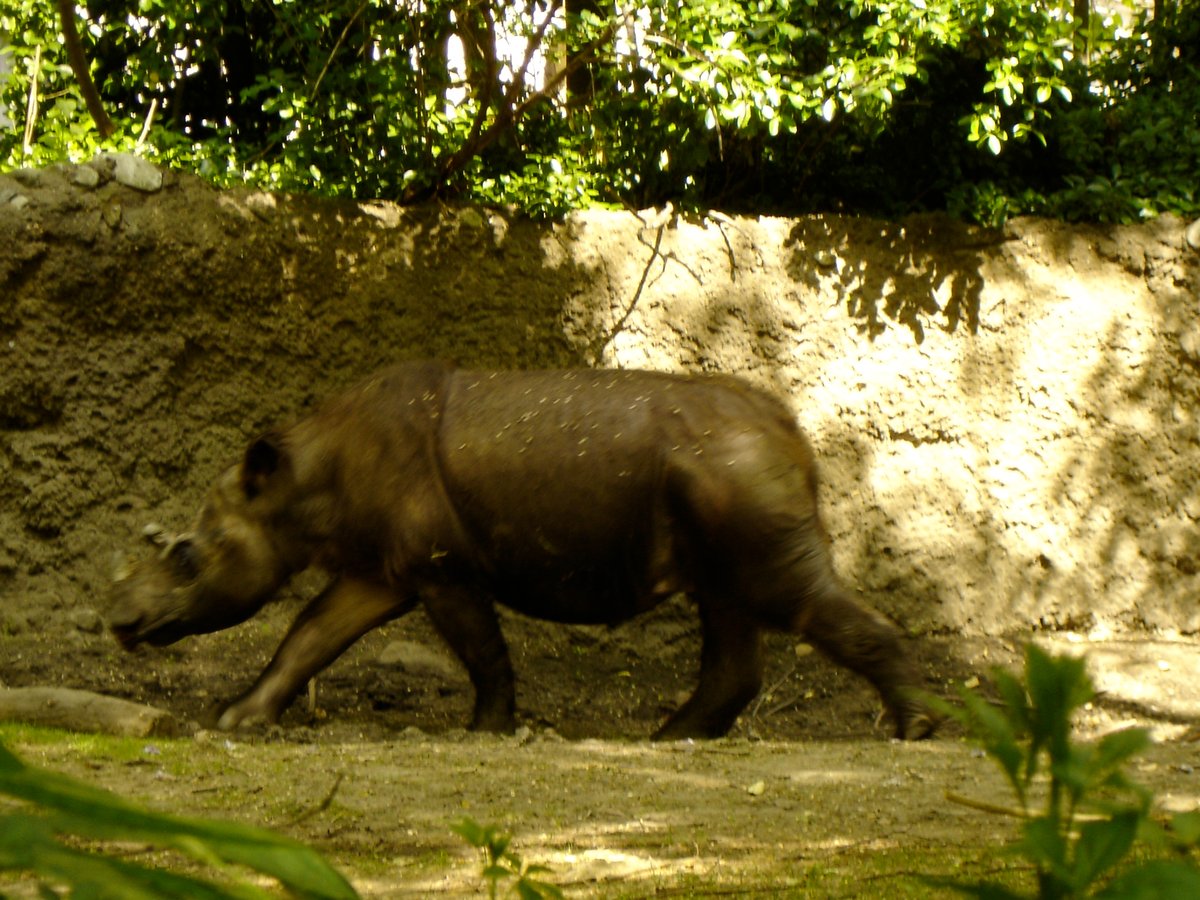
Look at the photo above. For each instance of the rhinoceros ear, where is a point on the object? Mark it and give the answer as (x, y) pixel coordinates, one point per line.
(264, 461)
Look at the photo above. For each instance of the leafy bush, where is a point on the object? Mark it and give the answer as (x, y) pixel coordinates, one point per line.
(986, 107)
(1092, 812)
(41, 838)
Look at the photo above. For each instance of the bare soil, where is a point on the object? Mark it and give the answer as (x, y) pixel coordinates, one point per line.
(807, 797)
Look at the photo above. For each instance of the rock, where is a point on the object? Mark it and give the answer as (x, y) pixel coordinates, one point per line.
(417, 659)
(86, 620)
(27, 177)
(111, 214)
(523, 735)
(135, 172)
(1192, 235)
(76, 710)
(85, 176)
(1189, 343)
(263, 205)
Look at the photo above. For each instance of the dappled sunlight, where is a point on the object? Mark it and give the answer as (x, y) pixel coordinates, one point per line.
(985, 449)
(1136, 680)
(988, 406)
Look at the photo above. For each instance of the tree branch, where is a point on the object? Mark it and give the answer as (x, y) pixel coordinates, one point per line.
(481, 139)
(79, 66)
(336, 47)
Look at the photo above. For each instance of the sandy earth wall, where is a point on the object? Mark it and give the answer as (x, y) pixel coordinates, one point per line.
(1008, 422)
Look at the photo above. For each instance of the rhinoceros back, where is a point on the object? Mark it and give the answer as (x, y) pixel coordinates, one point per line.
(564, 479)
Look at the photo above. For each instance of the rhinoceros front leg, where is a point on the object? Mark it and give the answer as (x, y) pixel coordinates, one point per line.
(337, 617)
(466, 618)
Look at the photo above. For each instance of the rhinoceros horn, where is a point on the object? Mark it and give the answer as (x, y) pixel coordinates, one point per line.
(119, 566)
(156, 535)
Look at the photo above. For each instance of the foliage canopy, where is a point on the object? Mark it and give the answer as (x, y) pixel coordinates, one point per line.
(986, 108)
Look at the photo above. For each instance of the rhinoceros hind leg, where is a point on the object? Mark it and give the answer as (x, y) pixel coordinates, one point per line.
(865, 641)
(731, 667)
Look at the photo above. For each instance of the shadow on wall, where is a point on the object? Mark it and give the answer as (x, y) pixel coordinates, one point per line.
(1134, 487)
(685, 293)
(898, 573)
(895, 273)
(1114, 372)
(471, 286)
(1056, 481)
(168, 334)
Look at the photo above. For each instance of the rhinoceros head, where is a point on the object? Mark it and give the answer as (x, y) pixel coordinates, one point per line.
(218, 573)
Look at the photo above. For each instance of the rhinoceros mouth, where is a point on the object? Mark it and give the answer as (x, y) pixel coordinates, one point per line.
(162, 635)
(127, 637)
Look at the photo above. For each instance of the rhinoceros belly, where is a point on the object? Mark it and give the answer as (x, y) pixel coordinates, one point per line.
(558, 479)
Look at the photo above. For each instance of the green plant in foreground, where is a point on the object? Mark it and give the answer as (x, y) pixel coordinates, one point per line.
(499, 862)
(1092, 812)
(38, 839)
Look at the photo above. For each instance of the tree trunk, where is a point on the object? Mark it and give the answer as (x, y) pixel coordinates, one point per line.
(79, 66)
(476, 28)
(581, 81)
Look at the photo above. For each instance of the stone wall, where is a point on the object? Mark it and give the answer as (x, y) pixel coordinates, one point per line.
(1007, 421)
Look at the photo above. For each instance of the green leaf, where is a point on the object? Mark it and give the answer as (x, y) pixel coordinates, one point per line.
(994, 730)
(1057, 687)
(496, 872)
(1016, 701)
(79, 808)
(1116, 748)
(1156, 880)
(1102, 845)
(1074, 769)
(529, 889)
(1186, 827)
(99, 876)
(470, 831)
(1044, 844)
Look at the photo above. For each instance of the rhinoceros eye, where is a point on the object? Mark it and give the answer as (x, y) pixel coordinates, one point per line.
(185, 559)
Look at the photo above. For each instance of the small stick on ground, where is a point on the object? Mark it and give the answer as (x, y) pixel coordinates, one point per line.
(322, 806)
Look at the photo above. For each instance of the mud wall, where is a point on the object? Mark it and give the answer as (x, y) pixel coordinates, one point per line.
(1008, 422)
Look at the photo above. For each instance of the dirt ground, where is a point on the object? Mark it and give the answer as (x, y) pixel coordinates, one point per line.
(807, 797)
(147, 336)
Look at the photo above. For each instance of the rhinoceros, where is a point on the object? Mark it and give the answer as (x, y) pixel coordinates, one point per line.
(585, 496)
